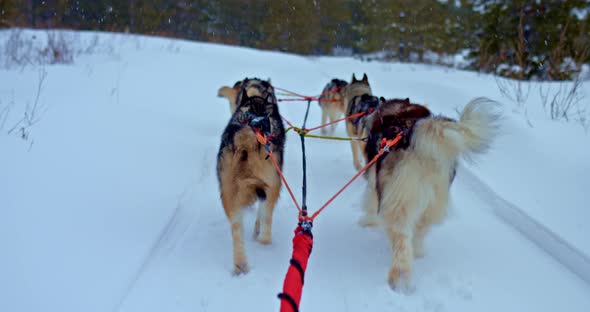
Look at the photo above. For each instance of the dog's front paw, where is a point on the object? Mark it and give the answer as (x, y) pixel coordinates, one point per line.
(264, 239)
(358, 166)
(262, 234)
(241, 268)
(368, 221)
(399, 281)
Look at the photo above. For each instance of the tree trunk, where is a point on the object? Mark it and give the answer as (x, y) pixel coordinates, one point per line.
(131, 16)
(31, 11)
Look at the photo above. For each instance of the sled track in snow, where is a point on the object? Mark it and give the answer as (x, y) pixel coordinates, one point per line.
(569, 256)
(174, 228)
(578, 263)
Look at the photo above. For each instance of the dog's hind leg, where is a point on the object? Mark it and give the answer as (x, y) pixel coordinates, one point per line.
(401, 265)
(419, 233)
(233, 210)
(354, 145)
(371, 201)
(268, 196)
(240, 260)
(432, 215)
(355, 155)
(400, 217)
(324, 117)
(265, 214)
(334, 114)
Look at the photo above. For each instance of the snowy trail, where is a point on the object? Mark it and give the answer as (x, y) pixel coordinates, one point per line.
(558, 248)
(472, 253)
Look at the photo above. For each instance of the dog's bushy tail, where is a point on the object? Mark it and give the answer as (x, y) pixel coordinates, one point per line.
(227, 92)
(440, 137)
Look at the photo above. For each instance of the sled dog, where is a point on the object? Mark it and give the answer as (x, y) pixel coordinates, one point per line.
(332, 103)
(352, 97)
(408, 188)
(245, 175)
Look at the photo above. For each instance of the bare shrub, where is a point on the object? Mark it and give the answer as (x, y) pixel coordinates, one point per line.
(33, 112)
(59, 49)
(4, 111)
(563, 100)
(18, 49)
(23, 48)
(514, 90)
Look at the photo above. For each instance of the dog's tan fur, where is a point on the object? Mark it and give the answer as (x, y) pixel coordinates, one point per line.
(230, 93)
(355, 88)
(239, 182)
(408, 191)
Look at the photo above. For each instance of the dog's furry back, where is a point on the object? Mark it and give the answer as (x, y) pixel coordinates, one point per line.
(333, 94)
(419, 176)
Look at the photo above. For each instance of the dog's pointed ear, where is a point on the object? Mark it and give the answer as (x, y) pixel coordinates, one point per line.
(407, 100)
(354, 78)
(244, 96)
(365, 78)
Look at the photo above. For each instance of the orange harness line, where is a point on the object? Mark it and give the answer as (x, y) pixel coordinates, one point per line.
(308, 98)
(337, 120)
(385, 147)
(324, 125)
(262, 139)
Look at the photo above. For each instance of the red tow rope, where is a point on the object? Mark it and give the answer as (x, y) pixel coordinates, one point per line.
(293, 284)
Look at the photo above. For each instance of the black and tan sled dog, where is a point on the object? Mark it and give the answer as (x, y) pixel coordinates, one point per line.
(332, 103)
(359, 99)
(244, 171)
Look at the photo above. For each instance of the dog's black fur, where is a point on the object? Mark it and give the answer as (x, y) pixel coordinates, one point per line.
(263, 86)
(335, 85)
(362, 104)
(387, 125)
(250, 108)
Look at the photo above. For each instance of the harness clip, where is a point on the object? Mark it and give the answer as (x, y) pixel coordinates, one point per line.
(305, 222)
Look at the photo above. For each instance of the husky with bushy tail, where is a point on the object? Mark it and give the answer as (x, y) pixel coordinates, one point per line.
(408, 189)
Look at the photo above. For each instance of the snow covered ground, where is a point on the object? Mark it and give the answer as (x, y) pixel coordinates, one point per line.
(112, 204)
